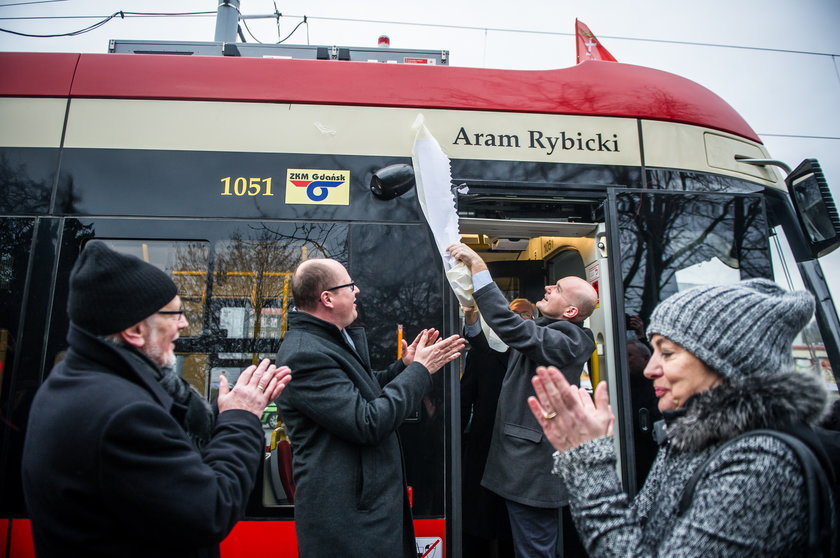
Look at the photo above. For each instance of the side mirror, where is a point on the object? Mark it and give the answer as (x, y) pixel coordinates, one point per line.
(814, 206)
(392, 181)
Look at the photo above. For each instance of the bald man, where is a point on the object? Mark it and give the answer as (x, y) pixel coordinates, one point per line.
(342, 417)
(519, 463)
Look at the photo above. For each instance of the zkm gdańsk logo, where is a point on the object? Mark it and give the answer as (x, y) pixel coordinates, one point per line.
(318, 187)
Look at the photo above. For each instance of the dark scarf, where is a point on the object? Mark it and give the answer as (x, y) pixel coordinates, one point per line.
(199, 418)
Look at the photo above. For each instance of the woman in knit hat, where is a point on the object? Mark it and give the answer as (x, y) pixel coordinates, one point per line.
(721, 367)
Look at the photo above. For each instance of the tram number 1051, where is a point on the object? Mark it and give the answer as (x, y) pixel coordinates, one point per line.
(241, 186)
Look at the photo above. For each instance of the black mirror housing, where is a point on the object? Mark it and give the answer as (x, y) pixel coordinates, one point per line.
(392, 181)
(814, 207)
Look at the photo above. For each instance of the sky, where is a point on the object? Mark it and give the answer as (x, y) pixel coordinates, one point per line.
(777, 62)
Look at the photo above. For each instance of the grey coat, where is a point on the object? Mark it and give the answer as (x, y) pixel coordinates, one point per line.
(750, 502)
(519, 462)
(341, 420)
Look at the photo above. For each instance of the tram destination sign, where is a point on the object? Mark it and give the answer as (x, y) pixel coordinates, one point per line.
(536, 139)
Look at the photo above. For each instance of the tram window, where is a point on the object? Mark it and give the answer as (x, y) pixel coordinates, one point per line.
(249, 301)
(809, 355)
(398, 286)
(252, 287)
(566, 262)
(27, 178)
(699, 182)
(15, 247)
(670, 242)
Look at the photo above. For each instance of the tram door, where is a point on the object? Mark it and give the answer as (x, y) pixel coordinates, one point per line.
(523, 255)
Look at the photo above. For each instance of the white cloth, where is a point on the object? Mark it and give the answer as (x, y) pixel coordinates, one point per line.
(434, 192)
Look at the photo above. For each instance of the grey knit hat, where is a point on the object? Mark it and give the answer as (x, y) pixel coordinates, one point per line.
(737, 330)
(110, 291)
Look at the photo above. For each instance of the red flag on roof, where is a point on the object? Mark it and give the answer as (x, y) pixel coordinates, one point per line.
(588, 46)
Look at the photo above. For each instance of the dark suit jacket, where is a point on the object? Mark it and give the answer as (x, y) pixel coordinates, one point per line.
(341, 419)
(108, 470)
(483, 513)
(519, 463)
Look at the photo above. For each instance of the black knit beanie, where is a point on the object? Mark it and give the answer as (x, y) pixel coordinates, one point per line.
(737, 330)
(110, 291)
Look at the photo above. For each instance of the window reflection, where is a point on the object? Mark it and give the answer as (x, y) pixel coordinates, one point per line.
(15, 247)
(687, 181)
(400, 280)
(252, 285)
(26, 178)
(398, 285)
(672, 242)
(249, 290)
(21, 319)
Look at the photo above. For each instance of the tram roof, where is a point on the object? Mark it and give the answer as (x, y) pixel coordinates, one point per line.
(593, 88)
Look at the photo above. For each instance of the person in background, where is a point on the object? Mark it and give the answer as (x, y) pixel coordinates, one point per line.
(635, 328)
(721, 367)
(342, 419)
(485, 519)
(524, 308)
(645, 408)
(519, 461)
(121, 457)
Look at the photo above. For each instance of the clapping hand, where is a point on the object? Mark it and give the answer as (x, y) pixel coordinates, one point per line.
(255, 388)
(566, 413)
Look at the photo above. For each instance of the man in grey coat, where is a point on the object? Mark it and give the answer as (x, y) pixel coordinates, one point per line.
(520, 455)
(341, 418)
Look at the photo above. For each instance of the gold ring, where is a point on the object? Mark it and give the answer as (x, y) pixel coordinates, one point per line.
(549, 415)
(261, 388)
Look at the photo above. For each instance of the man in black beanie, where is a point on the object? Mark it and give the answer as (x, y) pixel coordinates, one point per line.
(121, 456)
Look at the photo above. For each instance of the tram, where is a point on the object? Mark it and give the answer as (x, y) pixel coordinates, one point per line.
(226, 172)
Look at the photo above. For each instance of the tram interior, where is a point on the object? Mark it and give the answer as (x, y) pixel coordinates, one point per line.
(529, 242)
(525, 255)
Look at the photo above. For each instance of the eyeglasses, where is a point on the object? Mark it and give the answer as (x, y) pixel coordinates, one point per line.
(352, 286)
(180, 312)
(525, 315)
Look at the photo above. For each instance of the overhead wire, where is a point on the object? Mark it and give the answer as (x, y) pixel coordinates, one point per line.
(245, 24)
(121, 14)
(561, 34)
(69, 34)
(31, 2)
(277, 15)
(127, 13)
(305, 19)
(293, 30)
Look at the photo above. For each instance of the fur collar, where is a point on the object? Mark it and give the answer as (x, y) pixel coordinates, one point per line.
(748, 403)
